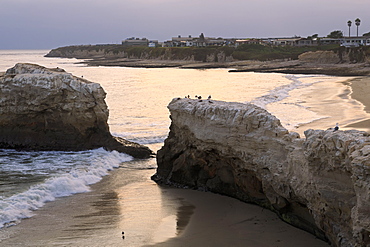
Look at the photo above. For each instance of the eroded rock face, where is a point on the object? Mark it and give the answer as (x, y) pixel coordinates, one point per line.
(320, 184)
(49, 109)
(320, 57)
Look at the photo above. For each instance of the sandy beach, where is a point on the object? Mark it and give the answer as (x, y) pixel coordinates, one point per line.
(349, 105)
(360, 91)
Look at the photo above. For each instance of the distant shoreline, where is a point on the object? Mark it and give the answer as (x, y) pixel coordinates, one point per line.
(337, 61)
(286, 67)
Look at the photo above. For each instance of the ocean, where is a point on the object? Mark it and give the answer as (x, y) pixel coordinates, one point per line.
(137, 100)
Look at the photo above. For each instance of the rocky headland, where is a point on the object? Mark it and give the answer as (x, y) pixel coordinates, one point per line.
(340, 62)
(50, 109)
(345, 63)
(320, 183)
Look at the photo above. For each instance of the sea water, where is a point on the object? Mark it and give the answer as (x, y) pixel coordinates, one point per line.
(137, 100)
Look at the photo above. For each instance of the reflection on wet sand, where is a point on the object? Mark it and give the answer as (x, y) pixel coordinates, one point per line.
(105, 210)
(152, 215)
(184, 214)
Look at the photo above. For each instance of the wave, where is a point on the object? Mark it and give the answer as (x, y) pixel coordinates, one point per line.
(291, 113)
(149, 140)
(72, 173)
(143, 138)
(282, 92)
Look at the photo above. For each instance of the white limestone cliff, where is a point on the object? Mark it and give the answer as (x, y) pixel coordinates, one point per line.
(320, 183)
(50, 109)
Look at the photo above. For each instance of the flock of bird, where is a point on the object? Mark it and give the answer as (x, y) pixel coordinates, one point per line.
(209, 100)
(199, 98)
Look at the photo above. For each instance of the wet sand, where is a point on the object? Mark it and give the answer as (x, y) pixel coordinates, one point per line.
(151, 215)
(224, 221)
(361, 91)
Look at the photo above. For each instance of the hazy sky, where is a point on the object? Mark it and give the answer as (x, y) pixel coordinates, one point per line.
(46, 24)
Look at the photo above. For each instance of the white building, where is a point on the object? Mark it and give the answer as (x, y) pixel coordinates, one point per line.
(355, 41)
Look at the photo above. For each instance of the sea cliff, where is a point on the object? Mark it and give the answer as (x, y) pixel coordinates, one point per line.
(336, 60)
(50, 109)
(134, 56)
(319, 183)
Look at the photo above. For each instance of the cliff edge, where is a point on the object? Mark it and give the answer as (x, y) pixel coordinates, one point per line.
(50, 109)
(340, 61)
(319, 183)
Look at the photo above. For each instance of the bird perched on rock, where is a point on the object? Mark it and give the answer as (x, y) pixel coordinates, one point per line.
(209, 97)
(199, 97)
(336, 127)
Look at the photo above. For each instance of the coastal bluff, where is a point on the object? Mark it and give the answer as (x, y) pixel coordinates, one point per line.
(340, 61)
(320, 183)
(50, 109)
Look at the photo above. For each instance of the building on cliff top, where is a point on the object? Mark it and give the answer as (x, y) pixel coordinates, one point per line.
(202, 41)
(355, 41)
(139, 42)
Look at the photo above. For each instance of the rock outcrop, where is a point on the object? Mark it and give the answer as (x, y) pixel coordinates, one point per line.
(320, 183)
(50, 109)
(129, 56)
(341, 55)
(320, 57)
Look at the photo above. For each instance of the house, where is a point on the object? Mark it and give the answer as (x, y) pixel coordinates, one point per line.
(329, 41)
(139, 42)
(295, 41)
(181, 41)
(153, 43)
(249, 42)
(284, 41)
(355, 41)
(215, 42)
(306, 42)
(190, 41)
(135, 42)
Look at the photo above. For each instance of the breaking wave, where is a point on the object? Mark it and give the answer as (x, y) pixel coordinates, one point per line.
(67, 173)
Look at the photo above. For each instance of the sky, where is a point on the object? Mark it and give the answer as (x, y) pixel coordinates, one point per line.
(47, 24)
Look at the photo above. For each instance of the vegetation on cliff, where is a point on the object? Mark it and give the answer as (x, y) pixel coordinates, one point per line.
(265, 53)
(201, 54)
(243, 52)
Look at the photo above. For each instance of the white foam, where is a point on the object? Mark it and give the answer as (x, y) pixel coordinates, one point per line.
(143, 138)
(282, 92)
(76, 172)
(290, 113)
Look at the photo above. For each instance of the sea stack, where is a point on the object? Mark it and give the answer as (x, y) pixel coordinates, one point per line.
(320, 183)
(50, 109)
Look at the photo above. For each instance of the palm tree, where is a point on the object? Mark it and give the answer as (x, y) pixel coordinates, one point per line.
(349, 23)
(357, 22)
